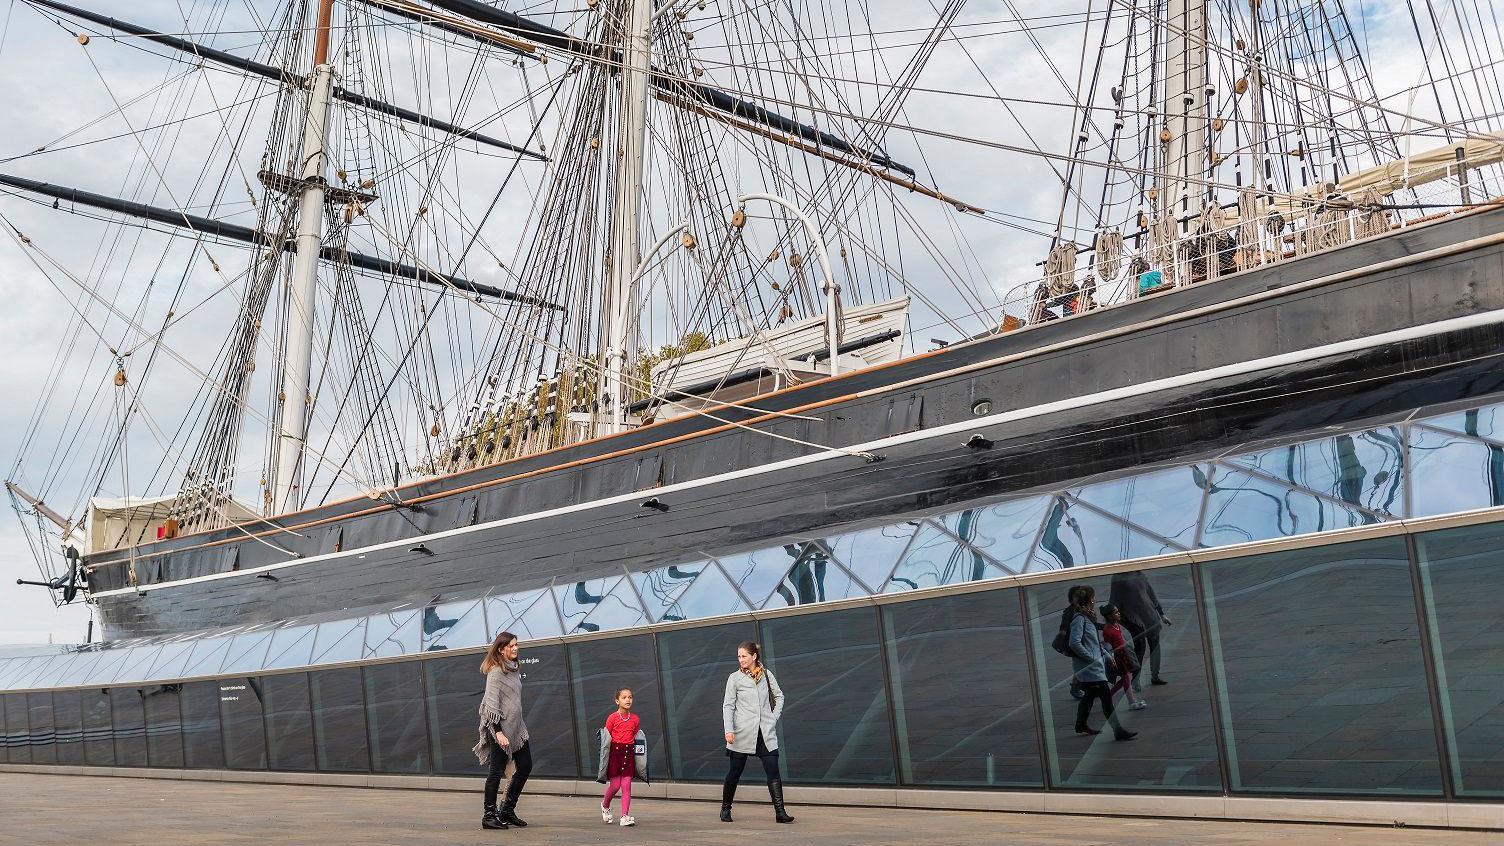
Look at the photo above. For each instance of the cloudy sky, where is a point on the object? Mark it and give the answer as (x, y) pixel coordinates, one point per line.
(114, 118)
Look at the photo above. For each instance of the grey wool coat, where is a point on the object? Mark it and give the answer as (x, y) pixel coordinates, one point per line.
(747, 710)
(639, 756)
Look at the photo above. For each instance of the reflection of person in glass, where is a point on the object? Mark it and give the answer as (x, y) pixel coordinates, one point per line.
(503, 734)
(1089, 662)
(1143, 617)
(1123, 660)
(749, 713)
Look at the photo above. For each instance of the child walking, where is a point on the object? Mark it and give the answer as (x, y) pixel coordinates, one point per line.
(1123, 657)
(619, 743)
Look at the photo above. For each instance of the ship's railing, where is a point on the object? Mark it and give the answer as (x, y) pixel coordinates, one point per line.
(1204, 254)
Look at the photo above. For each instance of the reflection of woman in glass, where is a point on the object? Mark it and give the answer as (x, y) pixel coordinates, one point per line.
(1089, 663)
(749, 713)
(1143, 617)
(503, 734)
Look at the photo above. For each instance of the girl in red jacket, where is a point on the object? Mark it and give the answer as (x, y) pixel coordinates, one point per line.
(1124, 658)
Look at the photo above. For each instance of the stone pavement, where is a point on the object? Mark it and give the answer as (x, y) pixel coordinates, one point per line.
(48, 809)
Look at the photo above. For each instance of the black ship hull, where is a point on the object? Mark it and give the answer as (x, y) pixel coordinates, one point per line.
(1355, 334)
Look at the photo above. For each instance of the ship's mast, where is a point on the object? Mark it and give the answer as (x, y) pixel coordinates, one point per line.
(286, 472)
(1182, 179)
(619, 317)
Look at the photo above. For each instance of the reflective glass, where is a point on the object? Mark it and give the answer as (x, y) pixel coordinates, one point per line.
(164, 725)
(291, 647)
(454, 625)
(339, 720)
(957, 665)
(247, 652)
(171, 660)
(207, 656)
(871, 554)
(1074, 534)
(1453, 473)
(1485, 422)
(1467, 633)
(532, 621)
(835, 721)
(108, 666)
(58, 668)
(454, 689)
(136, 668)
(937, 558)
(504, 609)
(43, 733)
(17, 733)
(338, 641)
(23, 678)
(1242, 508)
(598, 668)
(99, 731)
(11, 667)
(1176, 746)
(394, 713)
(395, 633)
(1166, 503)
(711, 595)
(130, 726)
(620, 609)
(814, 578)
(289, 722)
(546, 710)
(660, 588)
(1318, 659)
(1360, 468)
(203, 745)
(757, 573)
(693, 665)
(1005, 531)
(80, 668)
(244, 728)
(68, 716)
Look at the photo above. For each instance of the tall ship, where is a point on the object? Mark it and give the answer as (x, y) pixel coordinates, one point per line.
(625, 285)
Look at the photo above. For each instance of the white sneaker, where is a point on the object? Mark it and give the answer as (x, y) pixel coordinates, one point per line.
(1139, 705)
(606, 815)
(627, 819)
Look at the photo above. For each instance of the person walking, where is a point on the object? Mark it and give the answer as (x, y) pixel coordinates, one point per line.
(503, 734)
(1144, 618)
(624, 756)
(1124, 661)
(749, 714)
(1089, 664)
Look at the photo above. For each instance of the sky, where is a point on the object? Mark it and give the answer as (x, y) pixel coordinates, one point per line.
(127, 122)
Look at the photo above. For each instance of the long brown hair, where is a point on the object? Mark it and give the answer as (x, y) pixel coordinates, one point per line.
(755, 651)
(493, 657)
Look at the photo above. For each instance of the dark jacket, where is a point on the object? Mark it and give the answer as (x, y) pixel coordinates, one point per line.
(1134, 596)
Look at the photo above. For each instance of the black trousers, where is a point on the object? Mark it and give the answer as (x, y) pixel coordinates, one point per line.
(1146, 643)
(739, 764)
(499, 758)
(1095, 690)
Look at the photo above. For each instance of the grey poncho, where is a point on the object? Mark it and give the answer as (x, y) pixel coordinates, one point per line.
(501, 708)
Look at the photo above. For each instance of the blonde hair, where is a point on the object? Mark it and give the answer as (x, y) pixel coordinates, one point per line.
(493, 657)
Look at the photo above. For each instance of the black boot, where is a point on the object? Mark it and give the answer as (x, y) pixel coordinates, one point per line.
(489, 820)
(508, 814)
(775, 790)
(728, 792)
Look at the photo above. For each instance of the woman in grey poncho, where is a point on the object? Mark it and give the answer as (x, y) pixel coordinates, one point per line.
(503, 734)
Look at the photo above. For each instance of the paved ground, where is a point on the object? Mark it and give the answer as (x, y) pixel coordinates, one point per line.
(47, 809)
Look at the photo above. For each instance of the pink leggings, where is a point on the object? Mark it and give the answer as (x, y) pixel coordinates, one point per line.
(624, 784)
(1125, 683)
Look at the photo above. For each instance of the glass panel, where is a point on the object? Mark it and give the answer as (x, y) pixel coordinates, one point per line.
(25, 678)
(814, 578)
(289, 722)
(68, 716)
(17, 734)
(247, 652)
(136, 667)
(291, 647)
(393, 634)
(203, 746)
(545, 709)
(621, 609)
(339, 641)
(1006, 531)
(1467, 631)
(109, 664)
(208, 654)
(99, 731)
(244, 729)
(540, 620)
(80, 668)
(454, 625)
(130, 726)
(394, 710)
(455, 687)
(577, 600)
(936, 558)
(43, 750)
(1176, 744)
(1452, 473)
(1486, 422)
(1167, 502)
(1074, 534)
(1245, 508)
(339, 720)
(711, 595)
(835, 726)
(58, 668)
(871, 553)
(164, 725)
(503, 611)
(1317, 653)
(661, 588)
(599, 668)
(693, 666)
(172, 660)
(1362, 468)
(958, 665)
(757, 573)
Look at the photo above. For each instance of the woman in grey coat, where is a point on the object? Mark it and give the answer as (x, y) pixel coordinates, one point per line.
(1089, 659)
(503, 734)
(749, 714)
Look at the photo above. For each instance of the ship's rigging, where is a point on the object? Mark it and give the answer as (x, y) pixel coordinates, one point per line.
(476, 281)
